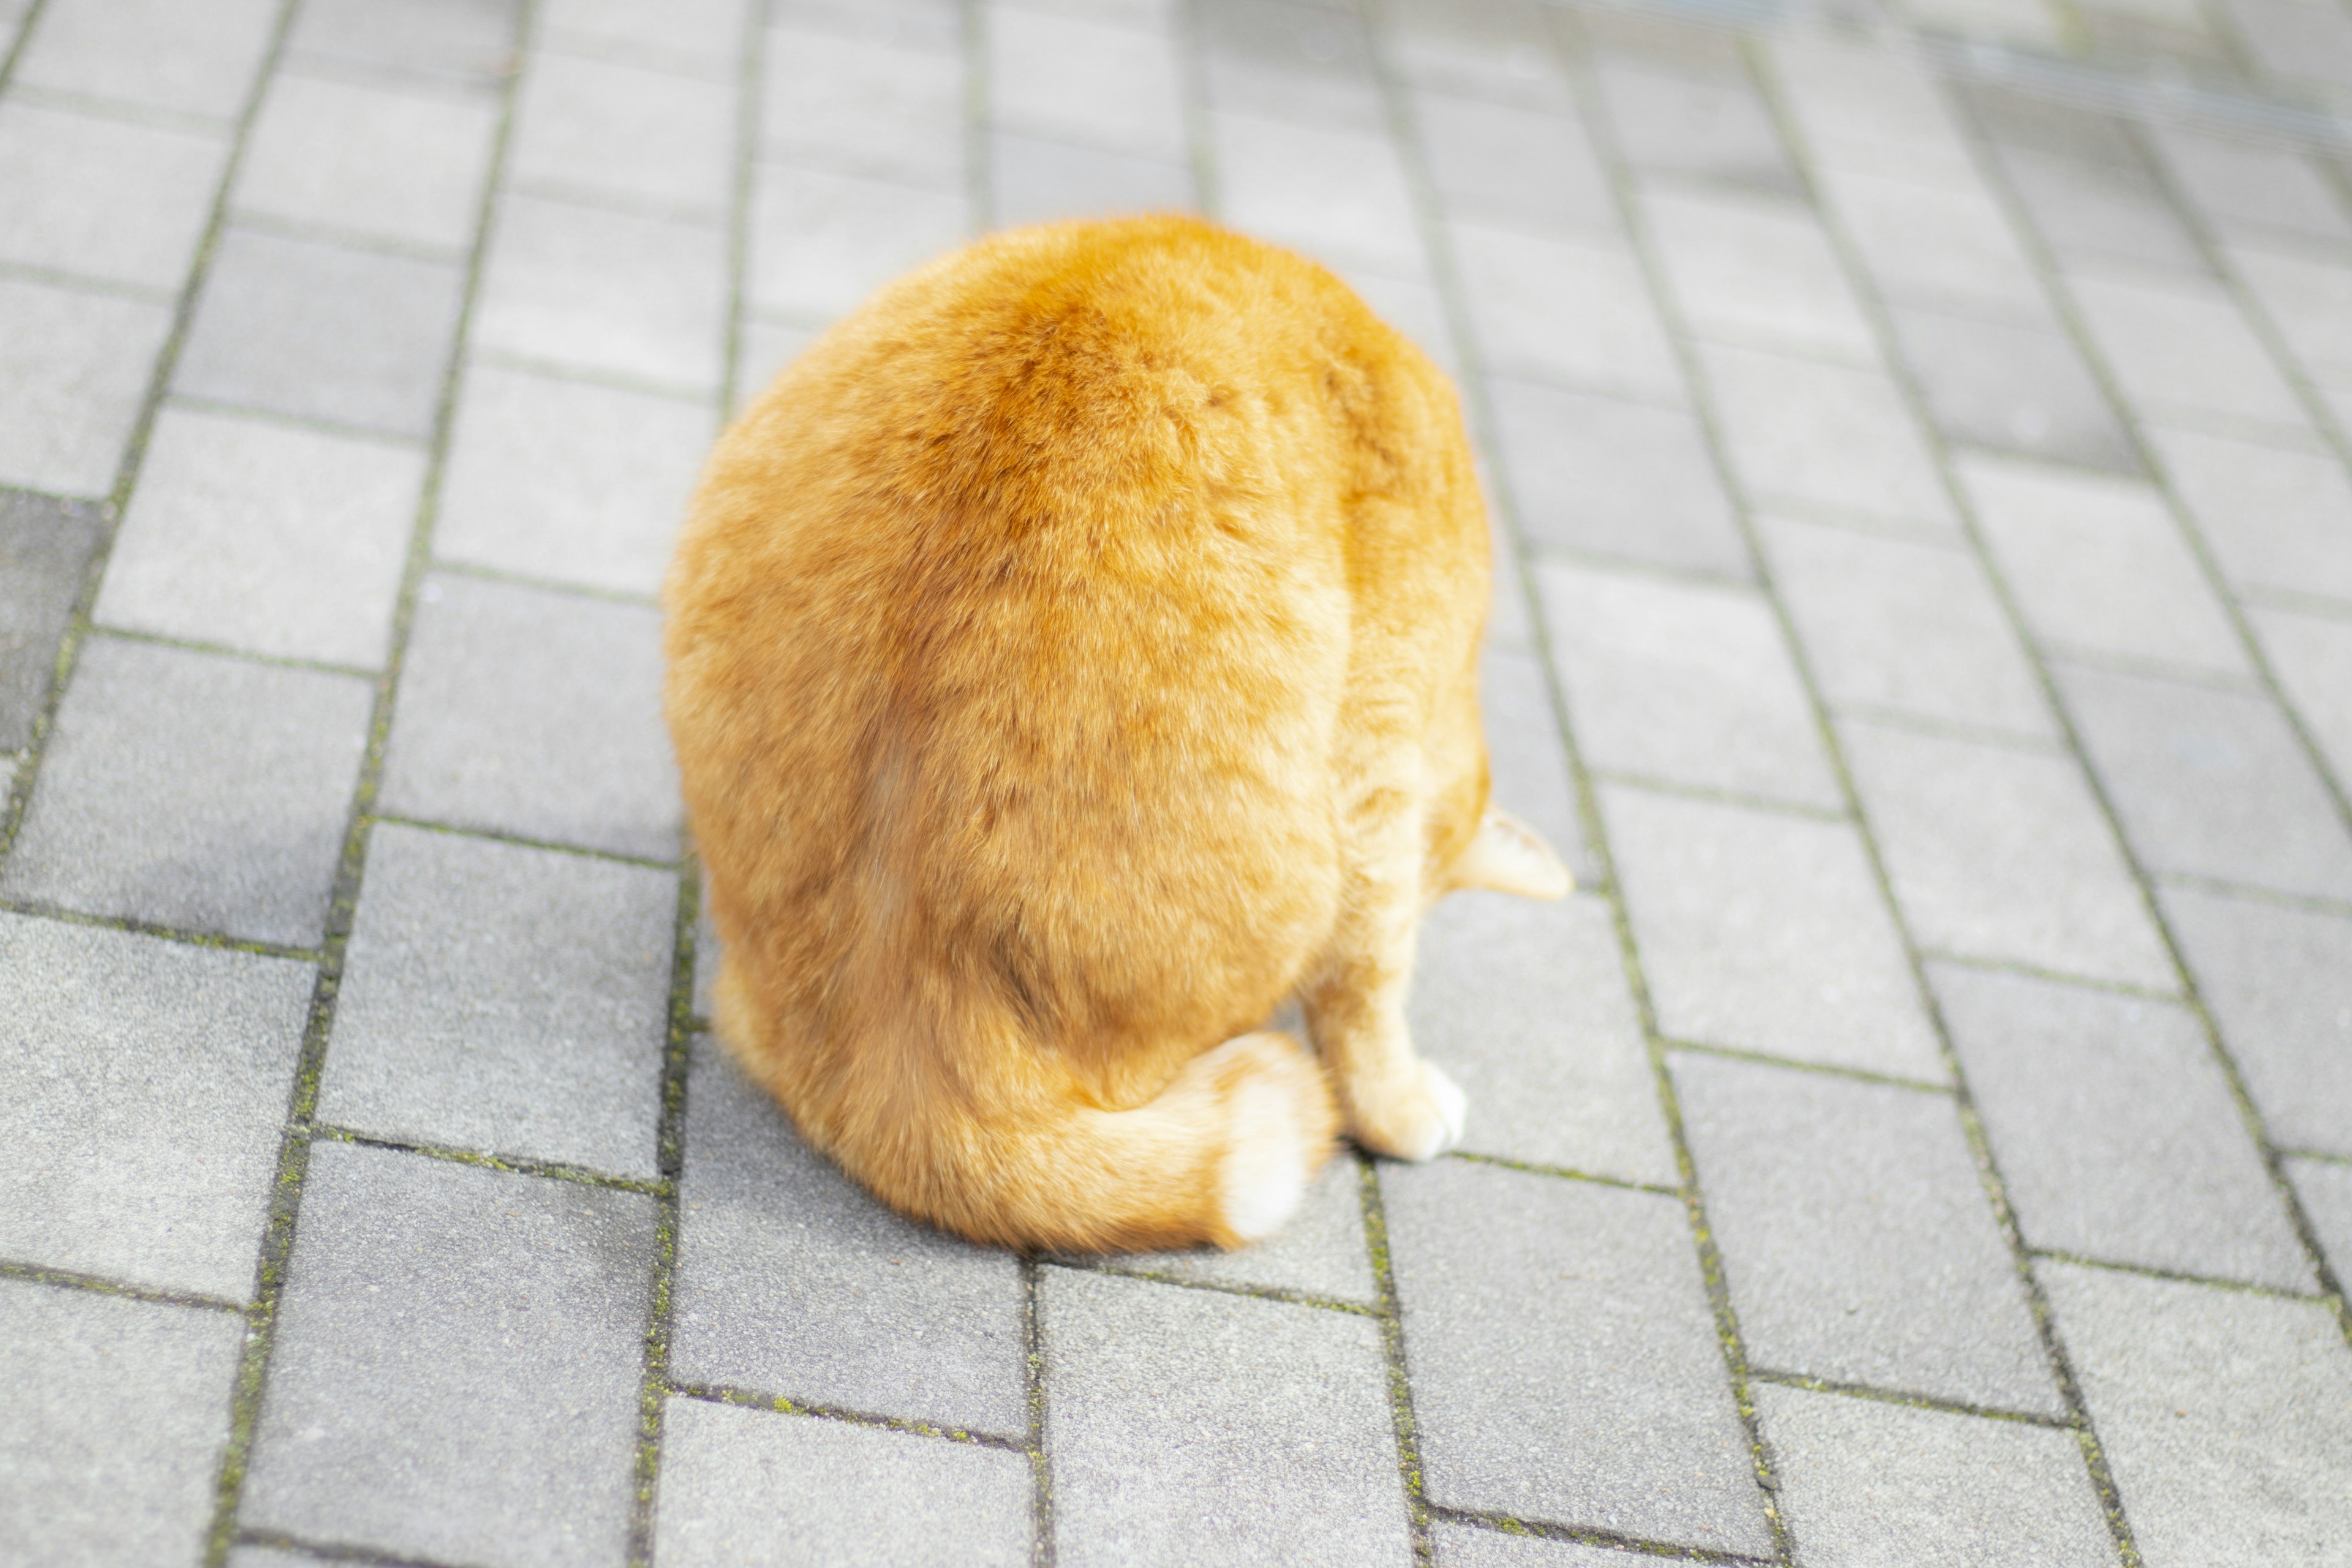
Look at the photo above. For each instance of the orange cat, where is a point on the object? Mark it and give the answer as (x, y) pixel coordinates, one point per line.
(1072, 656)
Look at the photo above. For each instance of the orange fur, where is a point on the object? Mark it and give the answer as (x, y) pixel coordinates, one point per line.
(1072, 655)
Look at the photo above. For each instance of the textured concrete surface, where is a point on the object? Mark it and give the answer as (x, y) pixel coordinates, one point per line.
(1917, 436)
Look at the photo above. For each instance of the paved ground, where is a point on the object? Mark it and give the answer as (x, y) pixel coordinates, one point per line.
(1926, 1140)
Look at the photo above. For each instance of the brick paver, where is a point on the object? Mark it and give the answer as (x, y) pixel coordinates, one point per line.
(1917, 436)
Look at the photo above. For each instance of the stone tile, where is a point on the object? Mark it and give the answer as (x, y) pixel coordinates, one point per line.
(1414, 308)
(145, 1090)
(160, 54)
(1339, 196)
(2098, 565)
(2302, 43)
(2308, 300)
(480, 974)
(820, 242)
(1079, 80)
(484, 1410)
(933, 25)
(569, 482)
(2325, 1190)
(762, 349)
(1835, 438)
(113, 1414)
(2279, 981)
(46, 545)
(266, 537)
(1767, 932)
(1493, 49)
(2312, 657)
(2275, 517)
(698, 36)
(2226, 1418)
(618, 130)
(1303, 63)
(1614, 1376)
(1601, 476)
(2183, 351)
(1032, 181)
(1527, 1006)
(2210, 782)
(892, 107)
(104, 198)
(563, 741)
(2115, 1130)
(793, 1281)
(705, 960)
(1707, 124)
(2243, 186)
(464, 40)
(1750, 270)
(2003, 854)
(320, 331)
(1572, 310)
(1903, 625)
(1320, 1253)
(597, 290)
(1465, 1546)
(1865, 1483)
(1857, 1239)
(1946, 242)
(78, 366)
(2092, 210)
(194, 791)
(1513, 167)
(1194, 1427)
(1868, 111)
(1685, 682)
(2011, 387)
(752, 1485)
(368, 160)
(1526, 760)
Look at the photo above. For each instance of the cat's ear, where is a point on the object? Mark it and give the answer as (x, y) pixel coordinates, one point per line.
(1509, 857)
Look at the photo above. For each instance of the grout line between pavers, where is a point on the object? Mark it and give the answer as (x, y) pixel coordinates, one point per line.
(2313, 902)
(222, 650)
(1591, 1535)
(756, 1399)
(1391, 1318)
(337, 1550)
(1904, 1396)
(294, 1147)
(1277, 1293)
(1653, 785)
(1948, 728)
(99, 1284)
(1043, 1547)
(85, 283)
(311, 231)
(18, 45)
(1819, 1069)
(2057, 976)
(488, 1160)
(972, 18)
(606, 199)
(538, 584)
(33, 909)
(193, 403)
(2177, 1275)
(1562, 1173)
(488, 356)
(499, 836)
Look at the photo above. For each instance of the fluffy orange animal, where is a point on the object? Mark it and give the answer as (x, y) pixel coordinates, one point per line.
(1072, 656)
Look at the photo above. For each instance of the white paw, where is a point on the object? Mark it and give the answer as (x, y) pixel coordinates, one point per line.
(1449, 1108)
(1415, 1117)
(1266, 1168)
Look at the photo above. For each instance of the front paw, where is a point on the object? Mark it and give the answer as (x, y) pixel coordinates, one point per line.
(1413, 1115)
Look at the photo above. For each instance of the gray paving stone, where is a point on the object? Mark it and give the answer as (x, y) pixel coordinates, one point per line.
(2325, 1190)
(1767, 932)
(1943, 242)
(2098, 565)
(821, 242)
(1612, 1375)
(160, 54)
(934, 25)
(1517, 167)
(1341, 196)
(2210, 782)
(320, 331)
(1757, 269)
(1674, 121)
(1833, 437)
(2226, 1418)
(113, 1414)
(266, 537)
(369, 160)
(507, 1000)
(78, 368)
(2000, 853)
(2275, 517)
(2246, 185)
(1463, 1546)
(457, 1363)
(464, 40)
(1304, 63)
(1864, 1483)
(752, 1486)
(1319, 1253)
(2308, 299)
(2092, 210)
(617, 292)
(1493, 49)
(2312, 657)
(46, 545)
(104, 198)
(1080, 79)
(1601, 476)
(1527, 763)
(1527, 1006)
(618, 130)
(2115, 1129)
(146, 1084)
(193, 790)
(706, 962)
(568, 482)
(762, 349)
(2279, 981)
(1574, 310)
(2181, 350)
(1032, 180)
(1857, 1238)
(1863, 109)
(1686, 682)
(894, 108)
(1194, 1427)
(1903, 625)
(701, 35)
(791, 1281)
(563, 741)
(2012, 387)
(2302, 43)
